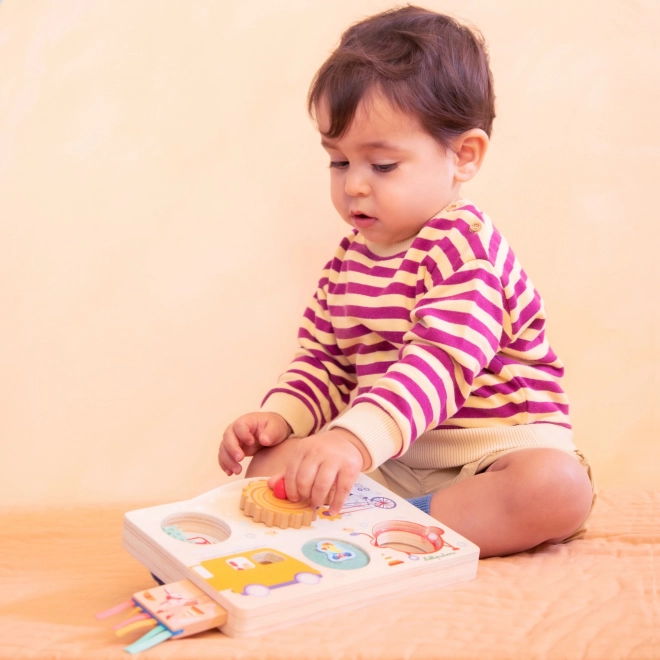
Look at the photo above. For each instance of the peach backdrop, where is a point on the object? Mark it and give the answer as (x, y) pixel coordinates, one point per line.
(164, 215)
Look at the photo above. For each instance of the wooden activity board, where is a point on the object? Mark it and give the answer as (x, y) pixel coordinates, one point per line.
(270, 562)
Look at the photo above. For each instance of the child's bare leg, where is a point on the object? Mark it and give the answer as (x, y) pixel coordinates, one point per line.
(525, 498)
(271, 460)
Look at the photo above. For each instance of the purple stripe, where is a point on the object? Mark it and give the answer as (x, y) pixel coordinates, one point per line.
(347, 241)
(467, 276)
(520, 286)
(526, 345)
(550, 358)
(424, 244)
(441, 223)
(371, 368)
(507, 268)
(531, 310)
(359, 330)
(539, 385)
(451, 252)
(318, 359)
(510, 410)
(417, 361)
(305, 335)
(360, 312)
(444, 340)
(303, 387)
(540, 407)
(395, 400)
(354, 331)
(537, 324)
(474, 210)
(449, 366)
(409, 266)
(516, 385)
(483, 303)
(394, 288)
(319, 322)
(461, 318)
(476, 245)
(418, 394)
(494, 247)
(366, 349)
(363, 249)
(374, 271)
(507, 410)
(554, 371)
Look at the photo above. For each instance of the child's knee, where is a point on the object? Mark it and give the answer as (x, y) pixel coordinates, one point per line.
(550, 483)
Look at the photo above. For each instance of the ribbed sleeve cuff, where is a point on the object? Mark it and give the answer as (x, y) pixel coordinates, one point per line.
(375, 428)
(294, 411)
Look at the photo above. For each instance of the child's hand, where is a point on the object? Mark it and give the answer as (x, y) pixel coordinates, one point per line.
(247, 435)
(321, 461)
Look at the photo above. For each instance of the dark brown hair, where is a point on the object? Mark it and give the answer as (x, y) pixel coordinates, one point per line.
(425, 64)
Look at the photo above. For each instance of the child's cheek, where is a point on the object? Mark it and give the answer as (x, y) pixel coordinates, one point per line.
(338, 196)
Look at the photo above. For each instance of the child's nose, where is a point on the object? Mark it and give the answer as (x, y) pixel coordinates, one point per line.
(357, 184)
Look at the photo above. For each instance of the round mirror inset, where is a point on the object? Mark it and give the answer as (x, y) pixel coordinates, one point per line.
(197, 528)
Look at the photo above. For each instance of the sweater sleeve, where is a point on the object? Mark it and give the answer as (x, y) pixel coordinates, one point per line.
(457, 328)
(316, 386)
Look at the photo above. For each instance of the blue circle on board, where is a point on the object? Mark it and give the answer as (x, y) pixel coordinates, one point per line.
(336, 554)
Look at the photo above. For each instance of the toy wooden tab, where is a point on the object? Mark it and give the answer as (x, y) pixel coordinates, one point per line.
(259, 502)
(136, 625)
(115, 610)
(152, 638)
(182, 607)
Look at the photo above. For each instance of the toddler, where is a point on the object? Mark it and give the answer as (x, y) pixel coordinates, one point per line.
(422, 357)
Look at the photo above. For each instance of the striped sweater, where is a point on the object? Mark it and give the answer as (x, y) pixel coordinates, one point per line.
(440, 343)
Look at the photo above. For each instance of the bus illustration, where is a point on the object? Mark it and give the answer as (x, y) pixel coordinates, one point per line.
(256, 572)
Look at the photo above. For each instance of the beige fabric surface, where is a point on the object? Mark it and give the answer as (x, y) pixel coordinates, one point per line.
(594, 598)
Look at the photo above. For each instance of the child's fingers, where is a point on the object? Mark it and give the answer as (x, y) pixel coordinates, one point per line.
(243, 431)
(343, 488)
(323, 482)
(228, 464)
(291, 477)
(231, 452)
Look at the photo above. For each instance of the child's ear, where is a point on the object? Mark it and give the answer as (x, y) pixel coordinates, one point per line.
(470, 148)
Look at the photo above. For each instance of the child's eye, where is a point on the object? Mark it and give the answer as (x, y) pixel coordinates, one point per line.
(385, 168)
(339, 164)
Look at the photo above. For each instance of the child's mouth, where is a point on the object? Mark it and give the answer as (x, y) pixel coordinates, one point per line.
(362, 221)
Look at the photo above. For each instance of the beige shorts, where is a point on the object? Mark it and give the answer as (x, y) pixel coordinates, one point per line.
(414, 482)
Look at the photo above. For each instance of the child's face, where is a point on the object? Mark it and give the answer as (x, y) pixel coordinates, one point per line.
(388, 176)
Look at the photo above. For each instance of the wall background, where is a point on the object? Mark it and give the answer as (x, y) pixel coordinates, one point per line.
(164, 215)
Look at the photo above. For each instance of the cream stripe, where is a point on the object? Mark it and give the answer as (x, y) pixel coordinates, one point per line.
(294, 411)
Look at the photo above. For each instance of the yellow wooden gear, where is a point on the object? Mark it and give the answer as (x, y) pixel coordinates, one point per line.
(259, 502)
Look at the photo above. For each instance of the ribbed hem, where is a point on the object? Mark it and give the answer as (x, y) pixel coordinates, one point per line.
(445, 448)
(294, 411)
(378, 432)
